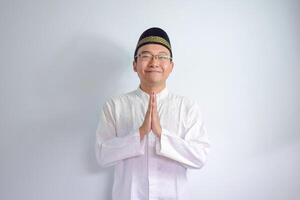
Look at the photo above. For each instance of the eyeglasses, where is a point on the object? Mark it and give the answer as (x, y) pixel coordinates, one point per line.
(147, 57)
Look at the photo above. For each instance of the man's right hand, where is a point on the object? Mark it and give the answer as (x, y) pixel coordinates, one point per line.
(146, 126)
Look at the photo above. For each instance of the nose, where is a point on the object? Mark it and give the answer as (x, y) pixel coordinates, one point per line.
(154, 61)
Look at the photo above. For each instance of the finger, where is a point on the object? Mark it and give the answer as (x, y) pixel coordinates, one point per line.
(151, 101)
(154, 103)
(155, 111)
(152, 93)
(154, 114)
(150, 104)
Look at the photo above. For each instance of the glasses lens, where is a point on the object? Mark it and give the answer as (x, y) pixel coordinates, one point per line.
(160, 57)
(163, 57)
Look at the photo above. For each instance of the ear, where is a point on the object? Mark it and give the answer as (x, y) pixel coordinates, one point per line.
(171, 66)
(134, 65)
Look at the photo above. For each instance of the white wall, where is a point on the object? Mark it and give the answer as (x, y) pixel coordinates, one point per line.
(60, 60)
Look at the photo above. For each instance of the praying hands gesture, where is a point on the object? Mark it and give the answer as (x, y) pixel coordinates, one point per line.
(151, 121)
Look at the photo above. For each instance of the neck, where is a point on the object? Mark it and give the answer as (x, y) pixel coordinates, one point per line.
(152, 88)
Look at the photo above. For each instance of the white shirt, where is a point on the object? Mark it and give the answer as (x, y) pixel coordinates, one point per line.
(152, 168)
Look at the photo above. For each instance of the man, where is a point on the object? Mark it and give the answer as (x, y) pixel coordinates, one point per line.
(151, 135)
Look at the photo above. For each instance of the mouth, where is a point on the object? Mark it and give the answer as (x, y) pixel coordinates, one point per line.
(153, 72)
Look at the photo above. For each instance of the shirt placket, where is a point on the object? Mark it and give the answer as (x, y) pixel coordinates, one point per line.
(152, 179)
(153, 186)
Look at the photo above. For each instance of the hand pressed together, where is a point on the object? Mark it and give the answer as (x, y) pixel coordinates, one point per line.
(151, 121)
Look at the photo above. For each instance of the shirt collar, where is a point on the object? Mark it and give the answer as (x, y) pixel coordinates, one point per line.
(145, 96)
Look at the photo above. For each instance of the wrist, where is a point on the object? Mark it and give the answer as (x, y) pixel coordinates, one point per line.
(142, 132)
(159, 134)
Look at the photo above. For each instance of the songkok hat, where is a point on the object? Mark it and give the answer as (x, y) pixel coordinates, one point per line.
(154, 35)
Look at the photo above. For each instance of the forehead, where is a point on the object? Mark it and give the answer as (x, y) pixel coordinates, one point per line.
(154, 48)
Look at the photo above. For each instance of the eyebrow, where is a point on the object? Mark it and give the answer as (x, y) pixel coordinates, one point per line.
(152, 53)
(145, 52)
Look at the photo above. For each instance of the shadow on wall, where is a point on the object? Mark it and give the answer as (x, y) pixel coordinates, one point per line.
(84, 74)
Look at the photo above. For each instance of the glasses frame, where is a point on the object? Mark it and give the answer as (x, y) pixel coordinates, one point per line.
(155, 56)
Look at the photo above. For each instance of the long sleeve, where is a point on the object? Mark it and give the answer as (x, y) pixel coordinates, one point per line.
(110, 148)
(190, 151)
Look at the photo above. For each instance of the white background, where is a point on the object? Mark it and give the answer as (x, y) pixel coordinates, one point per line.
(60, 60)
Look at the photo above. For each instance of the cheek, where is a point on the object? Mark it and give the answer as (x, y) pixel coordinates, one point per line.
(143, 68)
(140, 67)
(167, 69)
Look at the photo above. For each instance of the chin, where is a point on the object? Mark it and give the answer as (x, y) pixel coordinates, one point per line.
(154, 83)
(154, 80)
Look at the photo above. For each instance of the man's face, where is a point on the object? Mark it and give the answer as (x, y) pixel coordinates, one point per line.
(153, 71)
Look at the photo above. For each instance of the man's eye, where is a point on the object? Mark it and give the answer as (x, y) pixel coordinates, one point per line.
(162, 57)
(146, 56)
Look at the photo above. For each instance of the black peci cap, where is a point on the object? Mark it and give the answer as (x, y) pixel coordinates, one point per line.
(154, 35)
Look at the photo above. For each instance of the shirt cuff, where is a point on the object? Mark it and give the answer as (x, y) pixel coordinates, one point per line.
(161, 146)
(140, 147)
